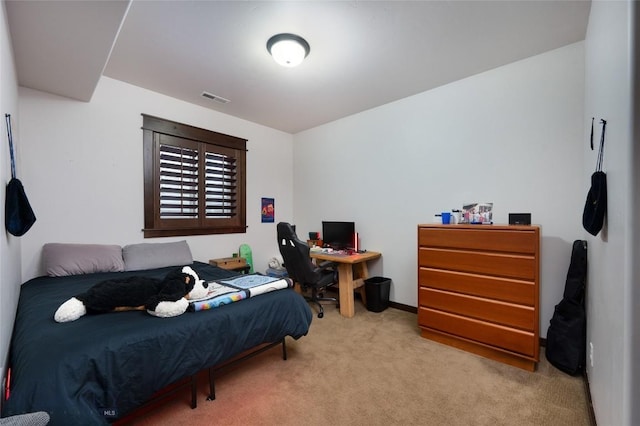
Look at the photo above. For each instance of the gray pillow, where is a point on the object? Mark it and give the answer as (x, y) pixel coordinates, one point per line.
(156, 255)
(61, 259)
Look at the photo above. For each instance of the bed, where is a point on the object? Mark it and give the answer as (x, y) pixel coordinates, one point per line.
(101, 368)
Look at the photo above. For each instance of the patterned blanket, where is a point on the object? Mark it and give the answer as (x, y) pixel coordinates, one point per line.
(223, 292)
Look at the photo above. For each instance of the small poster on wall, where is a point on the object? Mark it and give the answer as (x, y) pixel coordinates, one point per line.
(268, 210)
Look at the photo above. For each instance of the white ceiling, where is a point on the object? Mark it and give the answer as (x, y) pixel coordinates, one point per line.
(363, 53)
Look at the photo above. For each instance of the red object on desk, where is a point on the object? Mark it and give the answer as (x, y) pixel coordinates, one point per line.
(7, 385)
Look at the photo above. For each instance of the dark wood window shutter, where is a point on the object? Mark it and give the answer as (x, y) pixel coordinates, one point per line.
(194, 180)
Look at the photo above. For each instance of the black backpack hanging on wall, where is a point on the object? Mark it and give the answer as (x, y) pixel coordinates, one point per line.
(18, 214)
(595, 207)
(567, 334)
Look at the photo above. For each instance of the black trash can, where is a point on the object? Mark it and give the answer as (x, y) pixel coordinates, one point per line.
(377, 292)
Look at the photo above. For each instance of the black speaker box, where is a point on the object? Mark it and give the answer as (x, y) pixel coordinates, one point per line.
(519, 218)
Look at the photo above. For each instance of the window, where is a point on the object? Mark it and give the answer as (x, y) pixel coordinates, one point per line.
(194, 180)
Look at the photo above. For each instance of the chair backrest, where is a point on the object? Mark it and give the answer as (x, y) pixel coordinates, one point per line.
(295, 254)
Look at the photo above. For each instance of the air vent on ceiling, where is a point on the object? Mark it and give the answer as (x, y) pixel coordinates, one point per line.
(215, 98)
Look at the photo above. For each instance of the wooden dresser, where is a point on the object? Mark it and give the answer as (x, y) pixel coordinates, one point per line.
(478, 289)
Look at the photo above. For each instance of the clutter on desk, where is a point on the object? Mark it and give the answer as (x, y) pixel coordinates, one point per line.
(315, 243)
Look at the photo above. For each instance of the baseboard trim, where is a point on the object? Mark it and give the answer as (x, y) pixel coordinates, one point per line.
(396, 305)
(403, 307)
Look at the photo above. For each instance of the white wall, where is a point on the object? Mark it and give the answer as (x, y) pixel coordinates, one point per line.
(633, 301)
(608, 82)
(9, 246)
(512, 136)
(83, 169)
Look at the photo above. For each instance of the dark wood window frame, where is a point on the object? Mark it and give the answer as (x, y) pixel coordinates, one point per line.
(194, 180)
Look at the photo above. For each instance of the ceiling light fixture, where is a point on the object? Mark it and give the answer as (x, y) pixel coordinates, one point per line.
(288, 50)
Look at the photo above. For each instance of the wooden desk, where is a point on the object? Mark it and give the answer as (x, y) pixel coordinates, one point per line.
(352, 271)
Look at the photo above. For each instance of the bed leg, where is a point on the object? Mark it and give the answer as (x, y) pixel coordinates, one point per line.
(284, 349)
(194, 391)
(212, 388)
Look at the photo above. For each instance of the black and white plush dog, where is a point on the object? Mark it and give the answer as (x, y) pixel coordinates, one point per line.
(162, 298)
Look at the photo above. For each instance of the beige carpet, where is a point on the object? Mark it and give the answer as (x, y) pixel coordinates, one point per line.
(375, 369)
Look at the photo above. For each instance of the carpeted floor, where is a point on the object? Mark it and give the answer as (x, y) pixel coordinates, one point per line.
(375, 369)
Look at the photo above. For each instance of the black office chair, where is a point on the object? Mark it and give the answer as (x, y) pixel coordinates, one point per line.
(295, 254)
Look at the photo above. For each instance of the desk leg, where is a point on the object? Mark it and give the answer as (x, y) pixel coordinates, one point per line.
(345, 286)
(362, 274)
(363, 271)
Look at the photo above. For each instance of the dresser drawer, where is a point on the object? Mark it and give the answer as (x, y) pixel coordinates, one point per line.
(508, 314)
(480, 237)
(521, 342)
(497, 264)
(504, 289)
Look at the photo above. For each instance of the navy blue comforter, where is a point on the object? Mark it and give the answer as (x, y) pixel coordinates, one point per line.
(102, 367)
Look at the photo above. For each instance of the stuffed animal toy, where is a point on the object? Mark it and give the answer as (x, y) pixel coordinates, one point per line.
(162, 298)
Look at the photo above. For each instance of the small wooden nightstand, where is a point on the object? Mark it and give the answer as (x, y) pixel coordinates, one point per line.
(231, 264)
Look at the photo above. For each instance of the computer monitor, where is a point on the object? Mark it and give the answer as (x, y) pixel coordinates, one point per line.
(338, 235)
